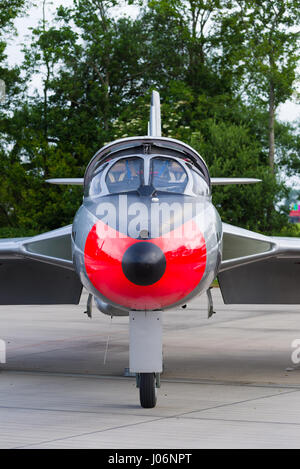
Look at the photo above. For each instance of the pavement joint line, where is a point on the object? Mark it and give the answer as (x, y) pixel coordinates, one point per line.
(52, 341)
(89, 433)
(66, 375)
(267, 422)
(258, 329)
(176, 416)
(215, 321)
(163, 380)
(65, 344)
(242, 397)
(246, 314)
(67, 347)
(183, 415)
(74, 411)
(229, 404)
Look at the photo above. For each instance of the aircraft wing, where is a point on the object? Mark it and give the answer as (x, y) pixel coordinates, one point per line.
(226, 181)
(39, 270)
(258, 269)
(67, 181)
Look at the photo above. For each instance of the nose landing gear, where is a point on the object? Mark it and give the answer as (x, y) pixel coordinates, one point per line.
(145, 353)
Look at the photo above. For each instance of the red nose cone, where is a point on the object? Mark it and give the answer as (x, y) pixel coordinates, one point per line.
(145, 274)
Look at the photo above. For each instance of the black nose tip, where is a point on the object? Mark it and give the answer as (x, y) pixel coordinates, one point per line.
(144, 263)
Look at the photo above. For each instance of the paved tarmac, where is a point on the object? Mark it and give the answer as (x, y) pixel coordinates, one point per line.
(228, 381)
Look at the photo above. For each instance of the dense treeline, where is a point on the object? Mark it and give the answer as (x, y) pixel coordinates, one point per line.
(222, 68)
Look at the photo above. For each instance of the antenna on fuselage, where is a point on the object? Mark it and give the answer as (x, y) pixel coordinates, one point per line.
(154, 125)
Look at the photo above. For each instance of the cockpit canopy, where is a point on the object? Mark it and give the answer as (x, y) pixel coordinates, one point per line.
(124, 175)
(160, 174)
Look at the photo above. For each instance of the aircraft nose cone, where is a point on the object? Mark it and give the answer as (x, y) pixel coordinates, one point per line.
(144, 263)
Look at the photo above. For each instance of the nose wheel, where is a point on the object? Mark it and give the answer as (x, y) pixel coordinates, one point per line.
(148, 394)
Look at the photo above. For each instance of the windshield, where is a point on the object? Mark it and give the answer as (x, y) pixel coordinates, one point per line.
(200, 186)
(165, 175)
(168, 175)
(124, 175)
(94, 188)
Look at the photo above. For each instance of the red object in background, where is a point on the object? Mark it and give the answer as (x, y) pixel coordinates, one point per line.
(185, 253)
(294, 213)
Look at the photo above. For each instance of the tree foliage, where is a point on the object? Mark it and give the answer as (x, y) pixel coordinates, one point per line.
(266, 49)
(210, 62)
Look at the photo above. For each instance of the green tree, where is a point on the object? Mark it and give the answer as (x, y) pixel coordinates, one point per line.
(9, 9)
(97, 72)
(10, 76)
(231, 151)
(259, 39)
(87, 62)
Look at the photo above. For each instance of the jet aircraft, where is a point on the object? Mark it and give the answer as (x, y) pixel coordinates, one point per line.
(145, 239)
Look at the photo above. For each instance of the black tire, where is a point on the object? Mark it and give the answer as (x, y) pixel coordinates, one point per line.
(147, 390)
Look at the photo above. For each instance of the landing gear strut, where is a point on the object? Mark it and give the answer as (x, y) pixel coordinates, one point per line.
(145, 353)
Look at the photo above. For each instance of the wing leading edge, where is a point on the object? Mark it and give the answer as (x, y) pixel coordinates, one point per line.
(258, 269)
(39, 270)
(227, 181)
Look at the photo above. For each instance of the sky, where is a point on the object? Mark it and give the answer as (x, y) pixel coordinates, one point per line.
(288, 111)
